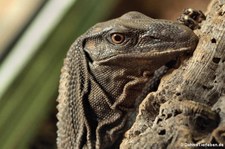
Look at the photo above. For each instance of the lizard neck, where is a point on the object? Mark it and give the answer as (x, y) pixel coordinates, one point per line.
(122, 85)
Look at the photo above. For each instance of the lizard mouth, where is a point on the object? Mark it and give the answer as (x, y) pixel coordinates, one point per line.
(170, 54)
(175, 63)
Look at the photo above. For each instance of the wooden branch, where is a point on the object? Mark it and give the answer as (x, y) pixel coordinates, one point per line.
(188, 109)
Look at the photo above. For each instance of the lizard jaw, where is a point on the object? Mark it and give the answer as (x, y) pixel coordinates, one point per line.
(147, 55)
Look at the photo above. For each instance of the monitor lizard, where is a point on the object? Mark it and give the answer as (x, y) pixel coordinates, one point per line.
(105, 72)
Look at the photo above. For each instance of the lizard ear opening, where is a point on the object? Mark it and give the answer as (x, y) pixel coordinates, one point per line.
(88, 45)
(88, 57)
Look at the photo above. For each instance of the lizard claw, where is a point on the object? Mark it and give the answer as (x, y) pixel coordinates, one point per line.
(191, 18)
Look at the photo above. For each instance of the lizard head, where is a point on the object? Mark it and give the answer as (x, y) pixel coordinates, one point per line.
(105, 72)
(138, 36)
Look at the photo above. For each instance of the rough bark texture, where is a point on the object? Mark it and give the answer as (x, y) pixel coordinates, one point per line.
(189, 106)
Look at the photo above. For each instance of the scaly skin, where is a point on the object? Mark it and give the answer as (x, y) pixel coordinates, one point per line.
(106, 71)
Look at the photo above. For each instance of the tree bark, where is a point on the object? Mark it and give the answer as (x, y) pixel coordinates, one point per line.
(188, 109)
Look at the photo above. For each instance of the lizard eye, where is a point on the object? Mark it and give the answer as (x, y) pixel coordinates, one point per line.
(117, 38)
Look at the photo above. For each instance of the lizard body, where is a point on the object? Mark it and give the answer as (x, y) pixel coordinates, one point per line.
(106, 70)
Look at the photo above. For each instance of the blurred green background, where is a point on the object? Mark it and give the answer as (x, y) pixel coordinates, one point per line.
(34, 40)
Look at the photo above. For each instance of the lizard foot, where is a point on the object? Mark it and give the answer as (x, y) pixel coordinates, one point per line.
(191, 18)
